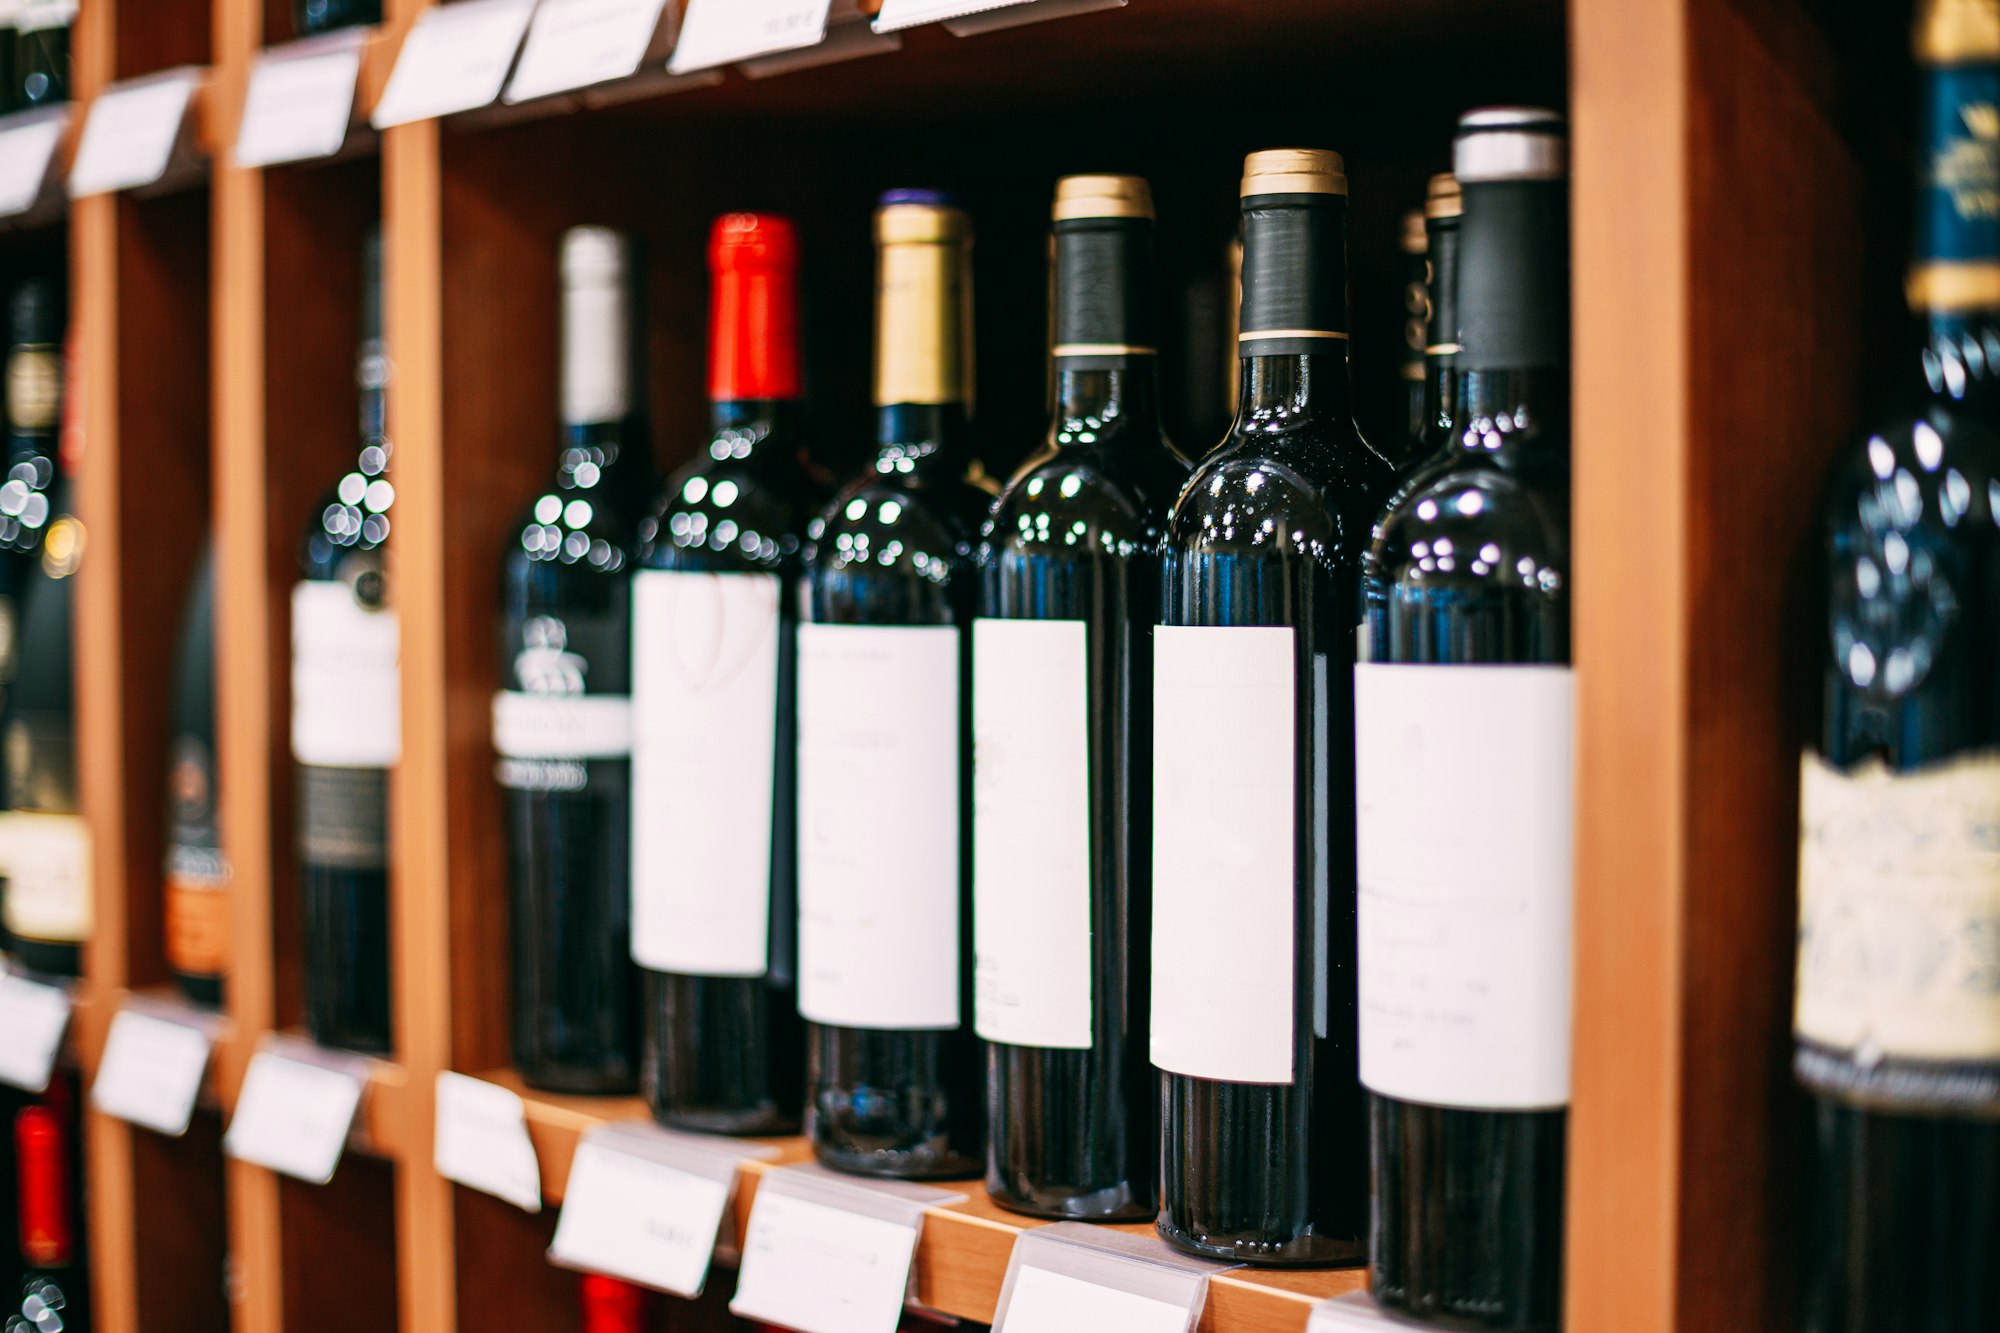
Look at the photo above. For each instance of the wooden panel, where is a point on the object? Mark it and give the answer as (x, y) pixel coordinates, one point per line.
(160, 34)
(339, 1248)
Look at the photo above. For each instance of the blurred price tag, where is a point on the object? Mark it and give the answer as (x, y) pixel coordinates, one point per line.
(27, 149)
(33, 1017)
(130, 133)
(1075, 1278)
(965, 17)
(1046, 1302)
(576, 43)
(721, 32)
(300, 101)
(1352, 1313)
(482, 1141)
(294, 1114)
(646, 1204)
(151, 1071)
(455, 59)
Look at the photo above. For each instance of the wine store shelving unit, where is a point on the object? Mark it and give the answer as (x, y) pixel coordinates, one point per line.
(1726, 167)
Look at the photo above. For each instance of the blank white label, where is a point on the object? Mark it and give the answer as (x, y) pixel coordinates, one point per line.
(717, 32)
(641, 1220)
(27, 147)
(1464, 850)
(299, 102)
(561, 726)
(347, 702)
(293, 1117)
(705, 706)
(1046, 1302)
(130, 132)
(899, 14)
(878, 826)
(33, 1018)
(151, 1072)
(1225, 779)
(1031, 832)
(576, 43)
(481, 1141)
(818, 1269)
(455, 59)
(1354, 1311)
(45, 861)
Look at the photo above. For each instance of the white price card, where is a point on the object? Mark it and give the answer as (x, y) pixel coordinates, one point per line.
(981, 15)
(296, 1109)
(577, 43)
(482, 1141)
(455, 59)
(721, 32)
(1355, 1312)
(647, 1204)
(33, 1017)
(28, 142)
(826, 1254)
(130, 133)
(1075, 1278)
(300, 100)
(152, 1068)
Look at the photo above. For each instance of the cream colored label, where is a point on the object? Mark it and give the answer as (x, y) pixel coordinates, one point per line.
(34, 388)
(923, 343)
(46, 862)
(1899, 910)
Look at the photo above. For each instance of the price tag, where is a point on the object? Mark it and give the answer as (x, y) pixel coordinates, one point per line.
(1352, 1313)
(482, 1141)
(981, 15)
(843, 41)
(455, 59)
(300, 101)
(576, 43)
(130, 133)
(1074, 1278)
(295, 1110)
(825, 1254)
(721, 32)
(27, 149)
(33, 1017)
(647, 1204)
(152, 1067)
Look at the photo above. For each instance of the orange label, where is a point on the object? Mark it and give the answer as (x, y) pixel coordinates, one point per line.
(197, 927)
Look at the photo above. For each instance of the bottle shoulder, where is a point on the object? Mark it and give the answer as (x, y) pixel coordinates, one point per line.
(1311, 492)
(1085, 496)
(725, 515)
(1477, 524)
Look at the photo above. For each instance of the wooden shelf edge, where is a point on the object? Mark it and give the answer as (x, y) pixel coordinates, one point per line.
(962, 1256)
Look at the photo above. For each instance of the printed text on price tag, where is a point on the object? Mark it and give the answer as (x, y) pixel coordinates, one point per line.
(151, 1071)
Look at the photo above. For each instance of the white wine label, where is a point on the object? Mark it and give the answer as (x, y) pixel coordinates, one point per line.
(1464, 821)
(347, 703)
(561, 726)
(705, 704)
(455, 59)
(1031, 832)
(1899, 912)
(129, 133)
(1074, 1277)
(151, 1071)
(33, 1018)
(577, 43)
(294, 1115)
(481, 1141)
(1045, 1302)
(38, 14)
(823, 1269)
(717, 32)
(879, 826)
(45, 860)
(300, 100)
(1225, 782)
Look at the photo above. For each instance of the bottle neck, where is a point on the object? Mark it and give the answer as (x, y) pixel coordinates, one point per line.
(1954, 283)
(1106, 403)
(1287, 389)
(1513, 417)
(758, 433)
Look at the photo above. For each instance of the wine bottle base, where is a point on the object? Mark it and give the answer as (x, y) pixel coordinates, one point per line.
(578, 1081)
(1120, 1206)
(763, 1122)
(51, 958)
(202, 990)
(1299, 1252)
(896, 1164)
(1455, 1321)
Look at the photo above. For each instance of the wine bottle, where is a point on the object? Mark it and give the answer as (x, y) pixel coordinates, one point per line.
(562, 720)
(1062, 723)
(612, 1306)
(44, 843)
(347, 720)
(1416, 326)
(1435, 437)
(34, 410)
(1463, 764)
(41, 51)
(714, 911)
(892, 1069)
(1264, 1159)
(197, 877)
(53, 1295)
(312, 17)
(10, 37)
(1897, 1018)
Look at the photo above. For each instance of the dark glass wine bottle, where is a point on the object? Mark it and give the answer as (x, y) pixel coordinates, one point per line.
(41, 52)
(1463, 766)
(1436, 436)
(562, 721)
(34, 395)
(715, 626)
(54, 1292)
(884, 806)
(10, 42)
(197, 876)
(1263, 1155)
(1897, 1016)
(347, 714)
(1062, 724)
(1416, 325)
(312, 17)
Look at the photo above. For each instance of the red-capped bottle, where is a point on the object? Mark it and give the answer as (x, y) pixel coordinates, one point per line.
(53, 1289)
(613, 1306)
(713, 634)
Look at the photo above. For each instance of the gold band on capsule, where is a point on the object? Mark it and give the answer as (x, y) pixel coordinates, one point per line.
(1294, 171)
(1102, 349)
(1968, 285)
(1442, 349)
(1102, 197)
(1442, 198)
(1262, 335)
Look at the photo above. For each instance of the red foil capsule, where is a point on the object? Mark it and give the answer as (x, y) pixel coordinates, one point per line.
(47, 1238)
(753, 328)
